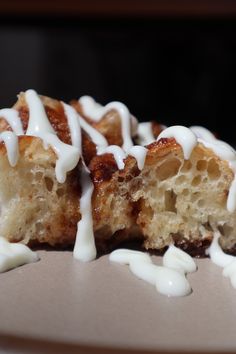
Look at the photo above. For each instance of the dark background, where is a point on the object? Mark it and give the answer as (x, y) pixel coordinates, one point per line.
(177, 70)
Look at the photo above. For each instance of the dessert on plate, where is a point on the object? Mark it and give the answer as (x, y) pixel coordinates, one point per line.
(91, 176)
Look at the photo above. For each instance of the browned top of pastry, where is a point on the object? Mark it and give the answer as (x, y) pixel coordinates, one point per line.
(109, 126)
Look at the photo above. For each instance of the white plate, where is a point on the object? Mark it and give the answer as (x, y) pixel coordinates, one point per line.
(102, 305)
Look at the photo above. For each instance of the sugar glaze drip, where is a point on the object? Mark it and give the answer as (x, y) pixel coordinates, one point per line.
(13, 255)
(169, 279)
(145, 133)
(222, 259)
(139, 153)
(74, 126)
(85, 249)
(39, 126)
(91, 108)
(11, 142)
(97, 138)
(10, 138)
(12, 117)
(184, 136)
(96, 111)
(117, 152)
(38, 123)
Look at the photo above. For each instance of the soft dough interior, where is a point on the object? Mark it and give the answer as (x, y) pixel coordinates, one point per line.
(183, 201)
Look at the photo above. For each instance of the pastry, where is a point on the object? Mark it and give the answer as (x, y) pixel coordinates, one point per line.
(72, 176)
(35, 206)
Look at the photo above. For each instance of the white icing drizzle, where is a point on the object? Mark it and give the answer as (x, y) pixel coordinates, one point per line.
(231, 200)
(117, 152)
(145, 134)
(12, 117)
(38, 121)
(139, 153)
(223, 150)
(220, 258)
(74, 125)
(85, 249)
(229, 271)
(202, 133)
(98, 139)
(68, 156)
(177, 259)
(95, 111)
(184, 136)
(11, 142)
(125, 122)
(125, 256)
(10, 138)
(39, 125)
(91, 108)
(102, 145)
(134, 125)
(13, 255)
(216, 253)
(169, 279)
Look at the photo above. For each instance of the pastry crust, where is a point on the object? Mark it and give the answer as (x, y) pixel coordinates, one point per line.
(171, 200)
(109, 125)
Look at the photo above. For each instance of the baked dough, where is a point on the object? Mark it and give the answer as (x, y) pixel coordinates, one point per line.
(170, 200)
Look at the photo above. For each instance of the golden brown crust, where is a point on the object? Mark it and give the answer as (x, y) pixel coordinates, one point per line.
(89, 149)
(161, 204)
(102, 168)
(54, 111)
(192, 230)
(109, 126)
(55, 114)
